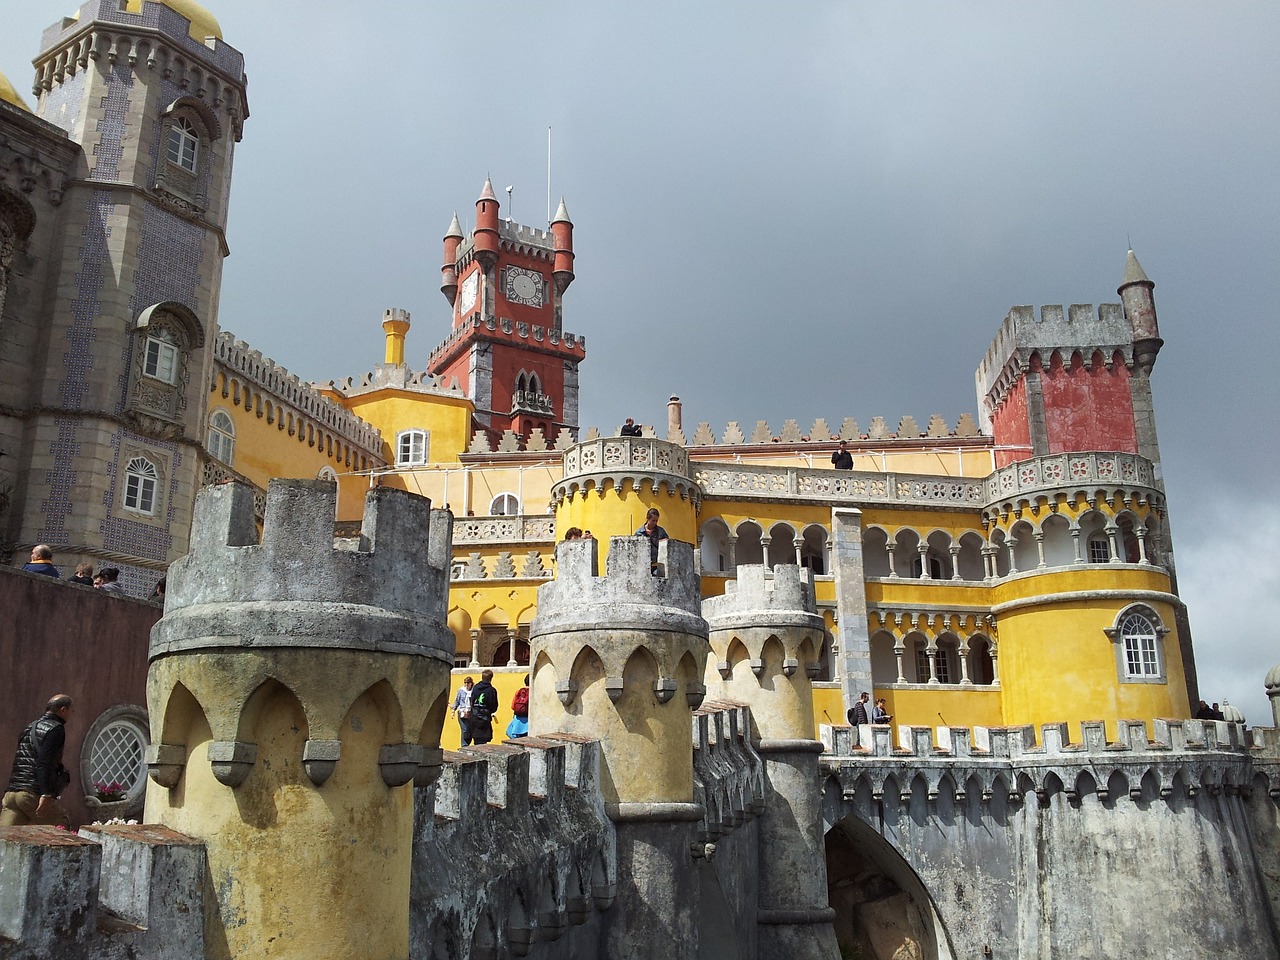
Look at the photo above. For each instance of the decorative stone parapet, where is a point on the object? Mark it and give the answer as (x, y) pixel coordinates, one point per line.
(749, 481)
(519, 529)
(589, 465)
(1071, 472)
(1186, 755)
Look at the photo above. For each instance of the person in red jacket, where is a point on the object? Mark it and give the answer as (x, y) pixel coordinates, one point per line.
(519, 726)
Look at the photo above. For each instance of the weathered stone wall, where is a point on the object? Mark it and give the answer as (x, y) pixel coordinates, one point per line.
(1126, 849)
(59, 637)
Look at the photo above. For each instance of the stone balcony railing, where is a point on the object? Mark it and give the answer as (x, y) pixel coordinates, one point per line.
(213, 470)
(641, 460)
(515, 529)
(1065, 472)
(846, 486)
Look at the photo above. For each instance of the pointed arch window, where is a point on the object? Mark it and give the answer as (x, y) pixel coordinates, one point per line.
(141, 479)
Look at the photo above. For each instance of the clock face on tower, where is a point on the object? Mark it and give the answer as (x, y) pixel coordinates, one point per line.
(523, 286)
(468, 295)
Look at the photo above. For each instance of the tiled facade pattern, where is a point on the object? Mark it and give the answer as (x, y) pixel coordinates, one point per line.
(112, 126)
(63, 105)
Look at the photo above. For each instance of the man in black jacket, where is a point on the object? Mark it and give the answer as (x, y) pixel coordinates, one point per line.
(38, 774)
(484, 704)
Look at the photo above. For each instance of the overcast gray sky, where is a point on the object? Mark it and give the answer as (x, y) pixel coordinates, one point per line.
(796, 210)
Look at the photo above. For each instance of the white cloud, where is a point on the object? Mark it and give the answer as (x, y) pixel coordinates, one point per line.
(1229, 577)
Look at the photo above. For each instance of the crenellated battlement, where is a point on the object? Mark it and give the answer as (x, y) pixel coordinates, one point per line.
(760, 595)
(386, 590)
(1185, 755)
(629, 595)
(111, 891)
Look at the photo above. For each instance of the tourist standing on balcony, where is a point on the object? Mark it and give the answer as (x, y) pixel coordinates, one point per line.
(41, 561)
(484, 704)
(858, 712)
(842, 459)
(630, 428)
(654, 533)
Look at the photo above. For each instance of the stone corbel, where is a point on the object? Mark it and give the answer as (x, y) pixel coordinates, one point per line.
(232, 760)
(604, 894)
(812, 669)
(319, 757)
(165, 762)
(579, 909)
(567, 691)
(757, 666)
(399, 762)
(790, 665)
(664, 688)
(694, 695)
(724, 668)
(613, 687)
(429, 767)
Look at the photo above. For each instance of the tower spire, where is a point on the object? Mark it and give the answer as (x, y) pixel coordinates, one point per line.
(1137, 295)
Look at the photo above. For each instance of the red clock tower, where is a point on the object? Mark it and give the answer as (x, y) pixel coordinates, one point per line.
(506, 348)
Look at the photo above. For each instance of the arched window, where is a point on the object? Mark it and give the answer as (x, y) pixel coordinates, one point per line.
(141, 480)
(183, 144)
(327, 473)
(505, 505)
(411, 448)
(222, 437)
(113, 758)
(1138, 635)
(1141, 656)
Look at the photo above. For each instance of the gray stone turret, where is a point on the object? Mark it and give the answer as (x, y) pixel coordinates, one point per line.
(1137, 293)
(766, 636)
(621, 658)
(296, 689)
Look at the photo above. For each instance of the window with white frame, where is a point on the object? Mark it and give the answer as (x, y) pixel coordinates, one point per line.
(505, 505)
(411, 448)
(113, 759)
(1141, 653)
(140, 482)
(1138, 635)
(1099, 550)
(183, 144)
(161, 360)
(327, 473)
(221, 440)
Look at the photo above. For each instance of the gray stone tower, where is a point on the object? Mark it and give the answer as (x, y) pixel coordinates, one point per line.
(297, 691)
(112, 351)
(621, 658)
(766, 637)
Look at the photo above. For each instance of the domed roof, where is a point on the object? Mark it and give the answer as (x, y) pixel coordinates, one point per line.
(203, 23)
(9, 95)
(1273, 679)
(1231, 714)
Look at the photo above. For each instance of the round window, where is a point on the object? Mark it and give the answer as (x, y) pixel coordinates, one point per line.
(113, 760)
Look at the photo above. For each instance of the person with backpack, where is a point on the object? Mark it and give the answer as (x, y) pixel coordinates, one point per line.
(484, 704)
(38, 776)
(519, 725)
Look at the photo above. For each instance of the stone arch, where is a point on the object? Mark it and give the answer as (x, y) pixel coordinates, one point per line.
(1059, 547)
(884, 660)
(750, 546)
(875, 552)
(782, 549)
(380, 700)
(1025, 555)
(771, 656)
(916, 657)
(981, 664)
(714, 546)
(968, 565)
(184, 315)
(906, 553)
(883, 909)
(586, 672)
(813, 548)
(1001, 552)
(736, 657)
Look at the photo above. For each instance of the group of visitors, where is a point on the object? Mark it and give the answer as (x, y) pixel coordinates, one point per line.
(107, 579)
(863, 712)
(1206, 712)
(577, 533)
(476, 704)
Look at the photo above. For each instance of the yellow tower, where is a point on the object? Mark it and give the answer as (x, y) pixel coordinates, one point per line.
(297, 690)
(610, 483)
(621, 658)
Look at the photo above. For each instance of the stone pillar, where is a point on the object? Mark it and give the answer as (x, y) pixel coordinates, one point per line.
(620, 658)
(793, 913)
(854, 663)
(296, 692)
